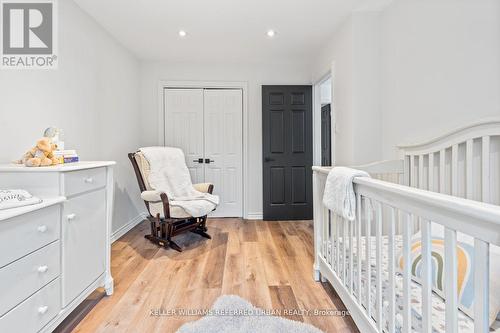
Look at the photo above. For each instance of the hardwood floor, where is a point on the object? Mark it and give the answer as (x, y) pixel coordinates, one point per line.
(267, 263)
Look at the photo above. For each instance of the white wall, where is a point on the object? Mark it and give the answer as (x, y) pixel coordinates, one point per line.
(412, 71)
(440, 67)
(353, 55)
(93, 96)
(254, 74)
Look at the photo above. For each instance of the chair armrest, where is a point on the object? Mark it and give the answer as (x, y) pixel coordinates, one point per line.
(204, 187)
(151, 196)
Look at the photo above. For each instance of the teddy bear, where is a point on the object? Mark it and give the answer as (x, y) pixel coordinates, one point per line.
(41, 155)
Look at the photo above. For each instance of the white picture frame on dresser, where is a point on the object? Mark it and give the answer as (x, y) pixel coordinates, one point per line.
(73, 224)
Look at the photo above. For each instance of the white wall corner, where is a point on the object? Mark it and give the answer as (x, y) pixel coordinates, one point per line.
(128, 226)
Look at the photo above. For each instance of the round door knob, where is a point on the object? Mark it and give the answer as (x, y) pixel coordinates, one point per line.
(42, 269)
(71, 216)
(42, 228)
(42, 309)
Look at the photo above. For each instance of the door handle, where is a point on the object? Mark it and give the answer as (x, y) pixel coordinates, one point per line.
(200, 160)
(208, 161)
(268, 159)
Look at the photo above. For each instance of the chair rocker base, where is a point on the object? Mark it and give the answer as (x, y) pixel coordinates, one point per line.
(162, 230)
(163, 242)
(201, 233)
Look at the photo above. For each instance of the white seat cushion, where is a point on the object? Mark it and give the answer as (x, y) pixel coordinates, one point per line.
(175, 212)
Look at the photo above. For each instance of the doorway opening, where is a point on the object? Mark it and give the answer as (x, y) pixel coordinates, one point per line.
(324, 152)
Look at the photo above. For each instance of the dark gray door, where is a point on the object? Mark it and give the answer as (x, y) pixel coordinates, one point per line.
(287, 152)
(326, 136)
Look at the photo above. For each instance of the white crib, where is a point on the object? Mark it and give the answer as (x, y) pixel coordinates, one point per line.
(453, 181)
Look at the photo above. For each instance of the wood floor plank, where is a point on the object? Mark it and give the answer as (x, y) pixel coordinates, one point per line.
(214, 268)
(255, 278)
(166, 291)
(268, 263)
(283, 298)
(248, 231)
(234, 268)
(280, 239)
(276, 272)
(123, 312)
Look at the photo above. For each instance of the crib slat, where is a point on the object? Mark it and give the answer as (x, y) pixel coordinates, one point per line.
(431, 172)
(392, 273)
(331, 239)
(450, 269)
(426, 277)
(454, 170)
(358, 246)
(368, 257)
(421, 171)
(344, 250)
(407, 230)
(468, 168)
(413, 174)
(485, 154)
(326, 238)
(406, 171)
(442, 178)
(337, 244)
(351, 268)
(481, 286)
(378, 233)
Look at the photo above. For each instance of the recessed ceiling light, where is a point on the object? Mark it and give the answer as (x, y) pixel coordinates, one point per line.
(270, 33)
(182, 33)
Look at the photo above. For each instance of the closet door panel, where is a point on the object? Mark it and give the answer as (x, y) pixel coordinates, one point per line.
(184, 127)
(224, 148)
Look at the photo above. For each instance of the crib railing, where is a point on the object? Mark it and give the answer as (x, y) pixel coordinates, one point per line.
(344, 252)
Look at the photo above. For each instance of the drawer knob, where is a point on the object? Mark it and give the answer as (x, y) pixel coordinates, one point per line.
(42, 228)
(71, 216)
(42, 309)
(89, 180)
(43, 269)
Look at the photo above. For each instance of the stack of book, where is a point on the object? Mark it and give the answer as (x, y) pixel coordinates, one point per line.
(67, 156)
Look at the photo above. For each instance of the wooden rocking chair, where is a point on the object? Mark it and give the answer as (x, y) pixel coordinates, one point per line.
(163, 226)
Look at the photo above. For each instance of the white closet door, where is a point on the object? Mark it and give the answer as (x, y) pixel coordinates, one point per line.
(184, 127)
(223, 147)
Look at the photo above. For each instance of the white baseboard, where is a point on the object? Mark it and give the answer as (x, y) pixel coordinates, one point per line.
(126, 228)
(254, 216)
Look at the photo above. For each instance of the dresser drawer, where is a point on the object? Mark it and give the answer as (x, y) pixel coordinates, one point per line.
(80, 181)
(25, 276)
(35, 312)
(26, 233)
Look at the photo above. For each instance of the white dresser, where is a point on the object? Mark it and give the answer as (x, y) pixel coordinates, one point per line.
(54, 254)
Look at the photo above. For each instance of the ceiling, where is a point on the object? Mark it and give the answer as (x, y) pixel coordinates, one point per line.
(221, 30)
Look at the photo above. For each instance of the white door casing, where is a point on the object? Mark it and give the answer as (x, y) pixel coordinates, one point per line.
(184, 127)
(207, 123)
(223, 148)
